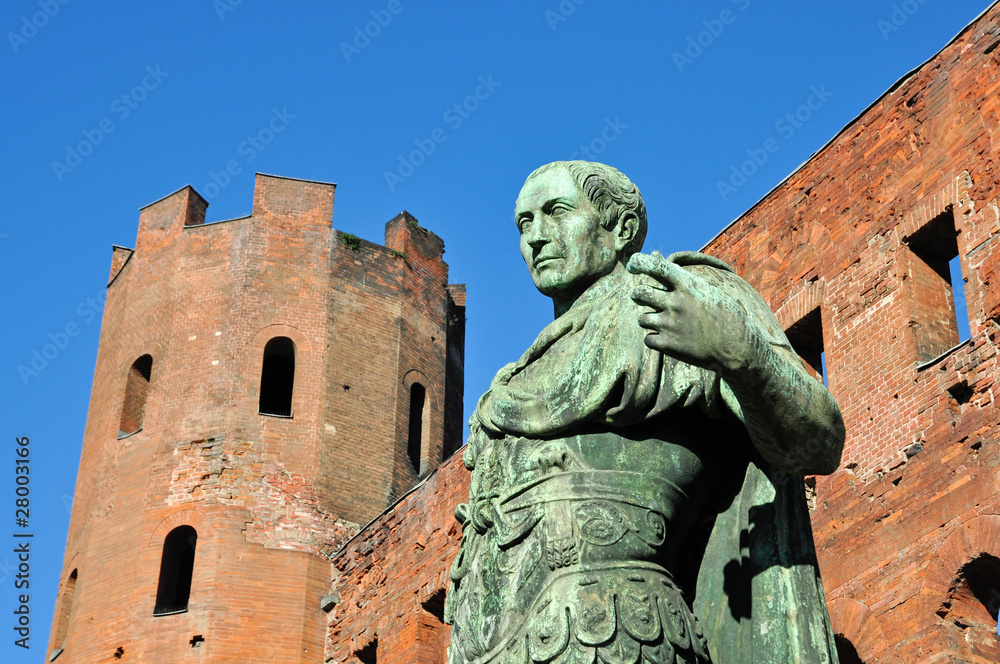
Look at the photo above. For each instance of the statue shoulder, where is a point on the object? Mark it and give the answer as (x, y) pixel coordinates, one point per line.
(725, 278)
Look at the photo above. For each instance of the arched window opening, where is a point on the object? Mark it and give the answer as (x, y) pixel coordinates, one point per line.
(136, 392)
(65, 611)
(983, 578)
(846, 652)
(277, 377)
(415, 432)
(433, 634)
(176, 568)
(972, 606)
(975, 598)
(368, 654)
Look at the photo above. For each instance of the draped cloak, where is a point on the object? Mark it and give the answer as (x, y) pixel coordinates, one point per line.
(758, 595)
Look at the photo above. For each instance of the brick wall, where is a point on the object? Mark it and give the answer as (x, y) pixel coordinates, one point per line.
(388, 581)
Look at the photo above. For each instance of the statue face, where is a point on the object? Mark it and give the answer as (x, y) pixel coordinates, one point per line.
(562, 240)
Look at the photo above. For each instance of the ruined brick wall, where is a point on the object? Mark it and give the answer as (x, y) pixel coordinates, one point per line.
(389, 581)
(860, 233)
(848, 248)
(270, 497)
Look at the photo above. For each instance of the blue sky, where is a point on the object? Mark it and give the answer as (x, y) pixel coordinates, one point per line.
(108, 107)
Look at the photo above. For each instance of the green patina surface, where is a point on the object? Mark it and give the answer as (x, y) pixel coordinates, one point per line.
(636, 490)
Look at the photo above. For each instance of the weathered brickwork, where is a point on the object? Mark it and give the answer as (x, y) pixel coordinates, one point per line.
(389, 581)
(913, 507)
(908, 530)
(271, 498)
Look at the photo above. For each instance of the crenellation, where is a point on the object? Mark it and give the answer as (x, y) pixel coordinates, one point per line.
(120, 256)
(404, 234)
(293, 202)
(160, 222)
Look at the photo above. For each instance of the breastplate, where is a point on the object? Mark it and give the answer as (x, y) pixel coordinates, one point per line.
(564, 549)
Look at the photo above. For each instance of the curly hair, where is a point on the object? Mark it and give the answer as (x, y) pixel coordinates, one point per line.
(611, 192)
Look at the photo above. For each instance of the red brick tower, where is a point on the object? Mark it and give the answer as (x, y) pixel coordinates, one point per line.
(263, 385)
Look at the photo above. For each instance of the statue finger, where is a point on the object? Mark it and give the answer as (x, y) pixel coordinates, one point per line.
(669, 274)
(658, 342)
(655, 298)
(655, 321)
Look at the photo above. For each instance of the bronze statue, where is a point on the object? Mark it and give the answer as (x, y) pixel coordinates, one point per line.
(637, 492)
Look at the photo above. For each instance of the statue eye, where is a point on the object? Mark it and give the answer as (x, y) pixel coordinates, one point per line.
(559, 209)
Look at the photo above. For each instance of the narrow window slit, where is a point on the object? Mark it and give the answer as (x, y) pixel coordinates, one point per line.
(415, 432)
(176, 569)
(277, 378)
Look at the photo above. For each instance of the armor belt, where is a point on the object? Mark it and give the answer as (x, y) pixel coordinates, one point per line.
(601, 596)
(597, 506)
(638, 489)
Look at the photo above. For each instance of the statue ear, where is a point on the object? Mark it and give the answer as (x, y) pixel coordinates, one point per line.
(625, 232)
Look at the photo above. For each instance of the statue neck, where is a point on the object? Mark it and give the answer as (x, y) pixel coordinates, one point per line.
(596, 289)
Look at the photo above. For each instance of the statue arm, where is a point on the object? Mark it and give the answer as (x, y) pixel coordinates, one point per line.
(711, 318)
(792, 419)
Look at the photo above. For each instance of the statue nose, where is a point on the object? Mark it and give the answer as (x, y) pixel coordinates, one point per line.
(536, 234)
(537, 241)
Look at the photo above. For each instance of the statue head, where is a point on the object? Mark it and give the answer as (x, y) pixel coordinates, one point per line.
(579, 221)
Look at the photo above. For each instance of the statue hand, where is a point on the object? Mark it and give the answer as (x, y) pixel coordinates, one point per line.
(691, 319)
